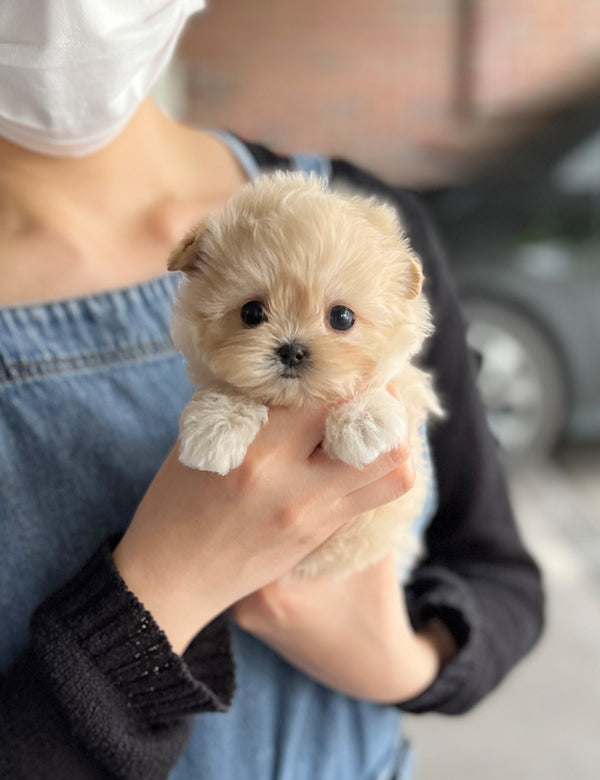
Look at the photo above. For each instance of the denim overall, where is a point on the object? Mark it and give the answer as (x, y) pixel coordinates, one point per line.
(90, 395)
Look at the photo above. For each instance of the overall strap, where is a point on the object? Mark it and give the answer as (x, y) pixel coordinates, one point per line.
(312, 163)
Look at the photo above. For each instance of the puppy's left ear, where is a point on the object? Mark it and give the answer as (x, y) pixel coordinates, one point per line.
(186, 256)
(415, 277)
(385, 218)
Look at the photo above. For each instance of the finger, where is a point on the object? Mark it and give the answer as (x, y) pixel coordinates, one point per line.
(297, 431)
(393, 391)
(345, 479)
(384, 490)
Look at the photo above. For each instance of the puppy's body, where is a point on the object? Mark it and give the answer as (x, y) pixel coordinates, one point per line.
(297, 296)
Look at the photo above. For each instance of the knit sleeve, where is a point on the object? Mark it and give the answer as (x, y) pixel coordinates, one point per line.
(476, 575)
(100, 693)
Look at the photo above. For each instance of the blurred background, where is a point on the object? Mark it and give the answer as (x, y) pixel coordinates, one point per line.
(491, 110)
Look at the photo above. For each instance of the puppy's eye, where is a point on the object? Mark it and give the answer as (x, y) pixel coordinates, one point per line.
(341, 318)
(253, 313)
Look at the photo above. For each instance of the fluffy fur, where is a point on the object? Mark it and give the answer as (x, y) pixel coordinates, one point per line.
(298, 250)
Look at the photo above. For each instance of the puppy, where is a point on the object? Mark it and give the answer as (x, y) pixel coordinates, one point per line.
(297, 296)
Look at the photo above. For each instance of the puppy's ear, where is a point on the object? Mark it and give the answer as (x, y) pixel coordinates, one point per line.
(414, 277)
(385, 218)
(186, 255)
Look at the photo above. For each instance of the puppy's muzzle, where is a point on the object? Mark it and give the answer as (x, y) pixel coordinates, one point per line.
(292, 355)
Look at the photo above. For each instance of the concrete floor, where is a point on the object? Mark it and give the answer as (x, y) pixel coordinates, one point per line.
(543, 723)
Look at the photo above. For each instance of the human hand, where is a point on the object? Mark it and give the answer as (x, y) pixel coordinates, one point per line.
(200, 541)
(352, 634)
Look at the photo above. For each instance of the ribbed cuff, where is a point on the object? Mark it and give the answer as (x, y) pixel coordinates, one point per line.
(438, 593)
(95, 614)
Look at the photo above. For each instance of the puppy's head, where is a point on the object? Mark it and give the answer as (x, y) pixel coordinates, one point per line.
(295, 294)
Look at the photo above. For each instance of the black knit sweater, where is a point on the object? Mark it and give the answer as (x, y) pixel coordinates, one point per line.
(99, 693)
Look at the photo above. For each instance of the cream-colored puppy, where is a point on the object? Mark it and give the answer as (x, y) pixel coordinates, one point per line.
(294, 296)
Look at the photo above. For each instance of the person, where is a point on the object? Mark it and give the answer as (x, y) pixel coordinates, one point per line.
(148, 627)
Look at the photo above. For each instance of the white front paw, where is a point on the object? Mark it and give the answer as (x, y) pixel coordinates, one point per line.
(358, 431)
(217, 429)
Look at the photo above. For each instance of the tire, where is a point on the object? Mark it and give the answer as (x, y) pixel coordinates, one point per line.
(521, 379)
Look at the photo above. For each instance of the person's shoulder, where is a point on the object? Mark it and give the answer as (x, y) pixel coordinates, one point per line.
(408, 203)
(266, 158)
(349, 174)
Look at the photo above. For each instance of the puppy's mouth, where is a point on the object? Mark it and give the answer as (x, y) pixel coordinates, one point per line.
(291, 373)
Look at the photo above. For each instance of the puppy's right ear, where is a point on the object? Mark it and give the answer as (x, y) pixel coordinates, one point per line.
(186, 256)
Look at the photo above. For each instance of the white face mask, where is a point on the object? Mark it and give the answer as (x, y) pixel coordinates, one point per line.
(72, 72)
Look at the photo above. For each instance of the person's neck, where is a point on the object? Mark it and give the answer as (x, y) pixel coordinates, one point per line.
(73, 226)
(145, 166)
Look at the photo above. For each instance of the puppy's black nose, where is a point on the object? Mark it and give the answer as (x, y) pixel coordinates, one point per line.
(292, 354)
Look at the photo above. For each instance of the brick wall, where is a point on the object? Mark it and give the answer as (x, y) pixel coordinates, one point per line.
(528, 49)
(378, 80)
